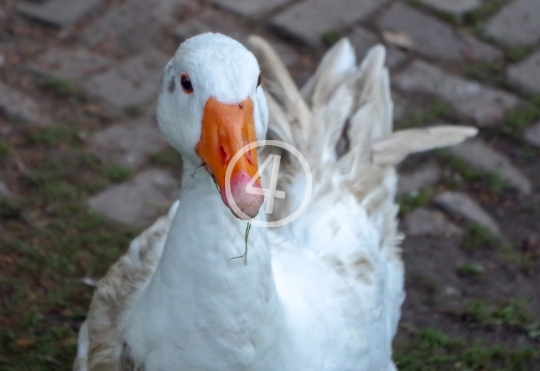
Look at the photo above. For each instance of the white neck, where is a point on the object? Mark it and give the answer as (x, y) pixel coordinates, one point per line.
(229, 310)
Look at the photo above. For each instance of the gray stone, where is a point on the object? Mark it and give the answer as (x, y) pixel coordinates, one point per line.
(532, 134)
(132, 26)
(424, 177)
(128, 144)
(139, 201)
(526, 74)
(480, 155)
(517, 23)
(211, 20)
(134, 82)
(4, 191)
(59, 12)
(458, 7)
(309, 20)
(484, 104)
(433, 38)
(69, 64)
(18, 106)
(363, 40)
(424, 222)
(250, 7)
(462, 205)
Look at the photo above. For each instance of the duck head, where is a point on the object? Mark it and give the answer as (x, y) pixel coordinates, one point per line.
(211, 105)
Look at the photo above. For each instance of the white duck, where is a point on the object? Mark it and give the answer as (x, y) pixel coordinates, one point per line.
(323, 292)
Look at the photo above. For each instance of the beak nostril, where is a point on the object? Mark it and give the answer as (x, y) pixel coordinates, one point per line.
(223, 154)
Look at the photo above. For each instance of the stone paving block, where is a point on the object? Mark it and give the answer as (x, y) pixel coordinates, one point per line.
(462, 205)
(532, 134)
(362, 40)
(132, 25)
(484, 104)
(434, 38)
(422, 178)
(309, 20)
(69, 64)
(250, 7)
(139, 201)
(457, 7)
(517, 23)
(526, 74)
(424, 222)
(4, 191)
(128, 144)
(59, 12)
(16, 105)
(480, 155)
(211, 20)
(134, 82)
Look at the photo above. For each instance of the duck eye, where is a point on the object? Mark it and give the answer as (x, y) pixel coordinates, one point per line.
(185, 81)
(259, 80)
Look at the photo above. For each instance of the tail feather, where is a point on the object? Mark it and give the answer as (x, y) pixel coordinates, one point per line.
(343, 95)
(393, 150)
(336, 65)
(280, 84)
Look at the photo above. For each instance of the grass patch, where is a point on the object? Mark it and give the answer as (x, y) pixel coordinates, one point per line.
(408, 203)
(330, 37)
(49, 241)
(484, 71)
(134, 110)
(55, 136)
(519, 118)
(430, 349)
(479, 237)
(512, 314)
(166, 158)
(481, 13)
(471, 174)
(438, 111)
(517, 53)
(4, 149)
(117, 173)
(60, 87)
(469, 270)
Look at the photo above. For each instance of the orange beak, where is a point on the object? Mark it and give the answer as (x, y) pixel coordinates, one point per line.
(226, 129)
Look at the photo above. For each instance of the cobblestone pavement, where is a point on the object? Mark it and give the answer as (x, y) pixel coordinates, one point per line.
(83, 166)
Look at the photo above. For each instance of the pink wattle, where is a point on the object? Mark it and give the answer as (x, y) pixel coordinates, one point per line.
(248, 203)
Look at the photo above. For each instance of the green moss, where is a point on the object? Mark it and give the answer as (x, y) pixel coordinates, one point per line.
(481, 13)
(60, 87)
(4, 149)
(479, 237)
(430, 349)
(517, 53)
(54, 136)
(511, 314)
(484, 71)
(330, 37)
(407, 203)
(135, 110)
(117, 173)
(167, 158)
(470, 174)
(517, 119)
(469, 270)
(438, 111)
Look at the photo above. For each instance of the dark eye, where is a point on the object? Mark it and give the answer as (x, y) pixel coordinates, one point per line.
(259, 80)
(185, 81)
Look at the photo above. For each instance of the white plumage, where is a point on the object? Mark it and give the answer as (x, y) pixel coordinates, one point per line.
(321, 293)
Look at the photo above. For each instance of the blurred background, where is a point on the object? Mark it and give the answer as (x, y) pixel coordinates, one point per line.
(83, 167)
